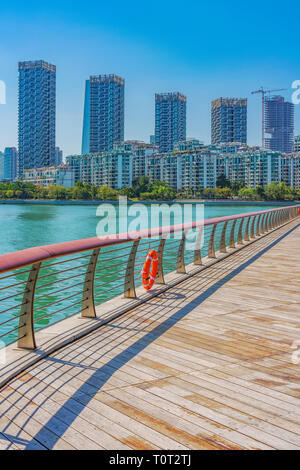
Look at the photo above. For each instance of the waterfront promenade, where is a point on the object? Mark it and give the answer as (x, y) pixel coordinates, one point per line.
(206, 364)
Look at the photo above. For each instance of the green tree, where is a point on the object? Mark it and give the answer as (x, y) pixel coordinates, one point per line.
(223, 182)
(106, 193)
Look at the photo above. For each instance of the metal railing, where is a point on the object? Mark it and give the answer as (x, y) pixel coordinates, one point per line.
(42, 285)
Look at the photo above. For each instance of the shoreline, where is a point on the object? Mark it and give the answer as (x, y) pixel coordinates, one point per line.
(63, 202)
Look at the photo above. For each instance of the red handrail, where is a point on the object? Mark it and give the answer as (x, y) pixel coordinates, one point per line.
(22, 258)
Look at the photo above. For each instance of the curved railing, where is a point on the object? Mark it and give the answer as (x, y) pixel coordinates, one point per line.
(46, 284)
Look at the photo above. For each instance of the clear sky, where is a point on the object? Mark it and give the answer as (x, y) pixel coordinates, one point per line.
(202, 50)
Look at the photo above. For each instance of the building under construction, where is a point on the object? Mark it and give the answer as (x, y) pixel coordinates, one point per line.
(279, 124)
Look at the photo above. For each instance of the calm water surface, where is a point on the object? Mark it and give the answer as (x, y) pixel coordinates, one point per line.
(24, 226)
(59, 289)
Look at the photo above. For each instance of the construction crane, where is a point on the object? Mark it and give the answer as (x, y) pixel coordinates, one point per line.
(263, 92)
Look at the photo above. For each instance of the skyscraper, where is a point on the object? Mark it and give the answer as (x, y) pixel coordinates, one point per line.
(170, 120)
(58, 156)
(229, 120)
(279, 124)
(103, 120)
(37, 86)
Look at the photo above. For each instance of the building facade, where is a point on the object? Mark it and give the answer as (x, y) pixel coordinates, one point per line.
(1, 166)
(58, 156)
(290, 169)
(170, 120)
(62, 175)
(10, 164)
(114, 168)
(36, 114)
(140, 151)
(103, 121)
(297, 143)
(191, 169)
(279, 124)
(229, 120)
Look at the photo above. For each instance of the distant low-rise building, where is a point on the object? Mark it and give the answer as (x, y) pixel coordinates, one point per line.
(189, 144)
(140, 152)
(62, 175)
(297, 143)
(10, 164)
(114, 168)
(58, 156)
(290, 169)
(191, 166)
(1, 166)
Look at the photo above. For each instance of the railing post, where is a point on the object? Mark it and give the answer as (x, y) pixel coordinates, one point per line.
(257, 234)
(223, 238)
(240, 232)
(88, 303)
(197, 251)
(180, 256)
(26, 338)
(129, 287)
(246, 235)
(252, 232)
(271, 221)
(263, 223)
(160, 254)
(211, 246)
(231, 241)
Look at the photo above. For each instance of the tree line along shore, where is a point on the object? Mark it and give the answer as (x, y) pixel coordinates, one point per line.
(144, 190)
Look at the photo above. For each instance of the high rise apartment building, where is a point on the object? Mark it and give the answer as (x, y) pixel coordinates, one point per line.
(170, 120)
(229, 120)
(279, 124)
(36, 114)
(103, 121)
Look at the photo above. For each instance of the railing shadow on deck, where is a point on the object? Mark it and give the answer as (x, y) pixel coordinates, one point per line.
(115, 335)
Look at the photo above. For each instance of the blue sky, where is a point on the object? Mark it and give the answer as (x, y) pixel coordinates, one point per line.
(202, 50)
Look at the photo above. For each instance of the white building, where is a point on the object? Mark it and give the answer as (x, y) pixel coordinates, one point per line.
(62, 175)
(290, 169)
(114, 168)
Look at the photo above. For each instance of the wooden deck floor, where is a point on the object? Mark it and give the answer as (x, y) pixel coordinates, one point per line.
(205, 365)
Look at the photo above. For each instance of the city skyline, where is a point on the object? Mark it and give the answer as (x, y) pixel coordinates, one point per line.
(203, 66)
(87, 91)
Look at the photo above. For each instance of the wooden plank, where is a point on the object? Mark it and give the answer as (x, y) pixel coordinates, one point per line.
(204, 365)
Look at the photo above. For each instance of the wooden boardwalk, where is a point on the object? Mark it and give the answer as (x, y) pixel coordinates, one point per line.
(204, 365)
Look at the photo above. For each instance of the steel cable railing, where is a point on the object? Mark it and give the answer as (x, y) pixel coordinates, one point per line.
(40, 286)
